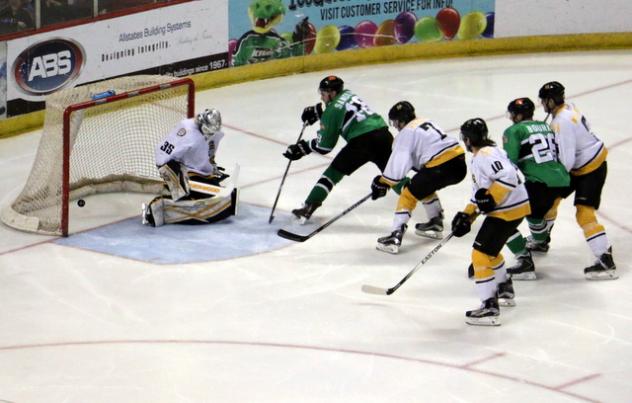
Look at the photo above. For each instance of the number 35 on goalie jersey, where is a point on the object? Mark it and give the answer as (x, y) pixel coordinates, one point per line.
(492, 170)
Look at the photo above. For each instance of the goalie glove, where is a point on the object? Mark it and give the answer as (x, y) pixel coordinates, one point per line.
(484, 200)
(311, 114)
(378, 188)
(297, 151)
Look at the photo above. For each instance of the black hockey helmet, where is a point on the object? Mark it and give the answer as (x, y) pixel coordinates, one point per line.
(521, 106)
(475, 130)
(403, 112)
(552, 90)
(331, 83)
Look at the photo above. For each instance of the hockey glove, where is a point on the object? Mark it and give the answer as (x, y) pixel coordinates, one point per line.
(297, 151)
(378, 188)
(461, 224)
(301, 31)
(484, 200)
(311, 114)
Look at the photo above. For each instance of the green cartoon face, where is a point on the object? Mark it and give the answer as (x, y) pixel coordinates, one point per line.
(265, 14)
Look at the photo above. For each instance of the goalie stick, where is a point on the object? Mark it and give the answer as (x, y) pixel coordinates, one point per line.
(302, 238)
(369, 289)
(287, 168)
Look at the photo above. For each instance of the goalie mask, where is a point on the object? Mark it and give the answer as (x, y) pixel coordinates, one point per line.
(209, 121)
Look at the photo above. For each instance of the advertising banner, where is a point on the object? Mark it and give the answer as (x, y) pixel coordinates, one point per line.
(271, 29)
(177, 40)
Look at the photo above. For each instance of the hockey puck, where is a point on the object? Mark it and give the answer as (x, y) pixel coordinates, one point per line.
(81, 202)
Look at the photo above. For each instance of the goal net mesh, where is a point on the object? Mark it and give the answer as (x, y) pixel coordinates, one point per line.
(110, 147)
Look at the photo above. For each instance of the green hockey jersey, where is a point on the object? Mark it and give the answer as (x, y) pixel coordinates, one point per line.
(531, 146)
(346, 116)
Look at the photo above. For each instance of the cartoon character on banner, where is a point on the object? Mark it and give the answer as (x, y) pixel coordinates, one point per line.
(263, 43)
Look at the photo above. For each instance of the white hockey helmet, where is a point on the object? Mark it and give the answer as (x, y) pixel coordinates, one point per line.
(209, 121)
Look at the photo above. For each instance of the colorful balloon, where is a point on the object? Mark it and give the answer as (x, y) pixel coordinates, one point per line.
(364, 33)
(385, 34)
(449, 20)
(427, 30)
(405, 26)
(327, 39)
(347, 38)
(472, 25)
(489, 29)
(310, 41)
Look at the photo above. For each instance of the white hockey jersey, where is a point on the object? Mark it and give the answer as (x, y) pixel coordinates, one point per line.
(419, 144)
(580, 150)
(187, 145)
(492, 170)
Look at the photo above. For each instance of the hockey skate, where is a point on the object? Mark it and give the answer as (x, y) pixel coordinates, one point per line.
(538, 246)
(603, 269)
(487, 315)
(506, 293)
(524, 269)
(432, 229)
(391, 243)
(304, 213)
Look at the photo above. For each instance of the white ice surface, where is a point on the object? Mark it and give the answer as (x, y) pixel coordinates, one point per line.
(292, 325)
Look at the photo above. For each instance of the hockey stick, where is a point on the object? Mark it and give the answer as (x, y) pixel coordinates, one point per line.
(302, 238)
(383, 291)
(287, 168)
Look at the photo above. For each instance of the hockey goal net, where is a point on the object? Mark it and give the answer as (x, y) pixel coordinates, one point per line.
(98, 138)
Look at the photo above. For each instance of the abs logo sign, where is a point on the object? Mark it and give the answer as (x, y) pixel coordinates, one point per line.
(48, 66)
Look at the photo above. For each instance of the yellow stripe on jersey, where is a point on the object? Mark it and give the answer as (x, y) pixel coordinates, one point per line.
(592, 164)
(470, 210)
(499, 191)
(387, 181)
(514, 213)
(445, 156)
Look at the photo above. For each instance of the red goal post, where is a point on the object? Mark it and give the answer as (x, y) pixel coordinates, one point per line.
(93, 142)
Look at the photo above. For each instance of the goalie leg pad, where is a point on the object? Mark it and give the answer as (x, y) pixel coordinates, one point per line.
(201, 211)
(155, 210)
(176, 179)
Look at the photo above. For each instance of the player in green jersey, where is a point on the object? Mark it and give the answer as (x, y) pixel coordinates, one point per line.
(530, 144)
(345, 115)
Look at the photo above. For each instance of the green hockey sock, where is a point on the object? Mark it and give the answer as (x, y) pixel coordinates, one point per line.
(325, 184)
(539, 229)
(517, 244)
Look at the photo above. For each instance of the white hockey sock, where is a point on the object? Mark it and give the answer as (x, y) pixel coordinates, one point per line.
(500, 273)
(432, 206)
(486, 288)
(401, 217)
(598, 244)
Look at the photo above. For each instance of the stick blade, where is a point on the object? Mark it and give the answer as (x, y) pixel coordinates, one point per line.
(369, 289)
(291, 236)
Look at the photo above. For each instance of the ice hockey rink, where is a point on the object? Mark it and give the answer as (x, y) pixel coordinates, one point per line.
(232, 313)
